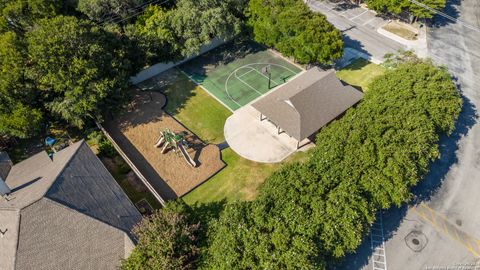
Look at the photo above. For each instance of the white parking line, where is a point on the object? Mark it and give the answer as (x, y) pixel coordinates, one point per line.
(359, 15)
(369, 21)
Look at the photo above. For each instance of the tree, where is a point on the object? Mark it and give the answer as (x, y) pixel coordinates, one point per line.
(293, 29)
(17, 117)
(78, 68)
(106, 10)
(180, 32)
(22, 14)
(166, 240)
(422, 10)
(18, 120)
(154, 35)
(197, 23)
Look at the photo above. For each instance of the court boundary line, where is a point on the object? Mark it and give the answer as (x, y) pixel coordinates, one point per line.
(206, 90)
(248, 65)
(244, 82)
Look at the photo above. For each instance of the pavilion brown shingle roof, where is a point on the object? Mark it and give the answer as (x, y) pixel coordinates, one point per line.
(307, 103)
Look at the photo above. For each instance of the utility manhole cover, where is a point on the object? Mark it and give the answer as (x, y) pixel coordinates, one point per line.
(458, 222)
(416, 240)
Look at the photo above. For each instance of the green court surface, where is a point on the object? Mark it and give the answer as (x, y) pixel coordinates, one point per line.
(236, 74)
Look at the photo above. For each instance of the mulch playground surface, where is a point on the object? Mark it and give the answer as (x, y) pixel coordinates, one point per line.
(236, 74)
(137, 130)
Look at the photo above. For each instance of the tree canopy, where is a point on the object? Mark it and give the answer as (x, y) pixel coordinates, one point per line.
(294, 30)
(398, 6)
(17, 117)
(167, 239)
(172, 34)
(106, 10)
(22, 14)
(76, 67)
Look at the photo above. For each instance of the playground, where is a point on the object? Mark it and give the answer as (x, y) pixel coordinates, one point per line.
(236, 74)
(172, 158)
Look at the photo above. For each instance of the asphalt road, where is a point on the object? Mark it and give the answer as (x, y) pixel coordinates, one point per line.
(441, 230)
(358, 27)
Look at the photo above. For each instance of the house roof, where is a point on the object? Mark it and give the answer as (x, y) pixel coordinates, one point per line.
(307, 103)
(65, 212)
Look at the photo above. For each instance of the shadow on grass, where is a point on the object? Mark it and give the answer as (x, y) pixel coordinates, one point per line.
(176, 87)
(205, 213)
(357, 64)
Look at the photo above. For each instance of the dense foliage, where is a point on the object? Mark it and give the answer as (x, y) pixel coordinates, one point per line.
(18, 118)
(398, 6)
(21, 15)
(107, 10)
(169, 34)
(166, 240)
(294, 30)
(77, 68)
(308, 214)
(70, 61)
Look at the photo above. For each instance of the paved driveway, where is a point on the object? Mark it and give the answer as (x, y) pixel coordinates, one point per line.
(257, 140)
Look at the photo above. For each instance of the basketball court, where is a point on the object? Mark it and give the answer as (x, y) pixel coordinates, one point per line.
(236, 74)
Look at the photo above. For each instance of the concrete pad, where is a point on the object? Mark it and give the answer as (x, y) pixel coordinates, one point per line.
(257, 140)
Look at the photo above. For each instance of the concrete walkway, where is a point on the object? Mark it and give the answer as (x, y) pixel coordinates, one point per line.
(257, 140)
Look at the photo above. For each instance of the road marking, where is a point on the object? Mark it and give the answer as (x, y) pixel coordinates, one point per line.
(367, 22)
(379, 257)
(358, 15)
(448, 228)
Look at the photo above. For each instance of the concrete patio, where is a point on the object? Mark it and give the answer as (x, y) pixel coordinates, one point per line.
(258, 140)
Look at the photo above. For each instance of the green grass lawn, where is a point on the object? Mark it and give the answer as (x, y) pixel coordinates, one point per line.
(238, 181)
(195, 108)
(360, 73)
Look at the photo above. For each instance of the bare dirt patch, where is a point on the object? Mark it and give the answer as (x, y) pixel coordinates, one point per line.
(137, 130)
(403, 30)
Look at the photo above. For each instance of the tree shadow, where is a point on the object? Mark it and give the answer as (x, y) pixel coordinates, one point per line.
(353, 49)
(200, 66)
(451, 9)
(205, 213)
(176, 87)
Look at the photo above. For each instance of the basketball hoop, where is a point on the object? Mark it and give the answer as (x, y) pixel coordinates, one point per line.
(266, 69)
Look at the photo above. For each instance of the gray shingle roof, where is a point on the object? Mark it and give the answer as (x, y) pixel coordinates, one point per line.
(307, 103)
(65, 213)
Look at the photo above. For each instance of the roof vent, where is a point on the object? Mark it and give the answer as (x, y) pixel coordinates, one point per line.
(4, 189)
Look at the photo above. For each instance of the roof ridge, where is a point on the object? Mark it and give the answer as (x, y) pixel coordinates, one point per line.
(75, 150)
